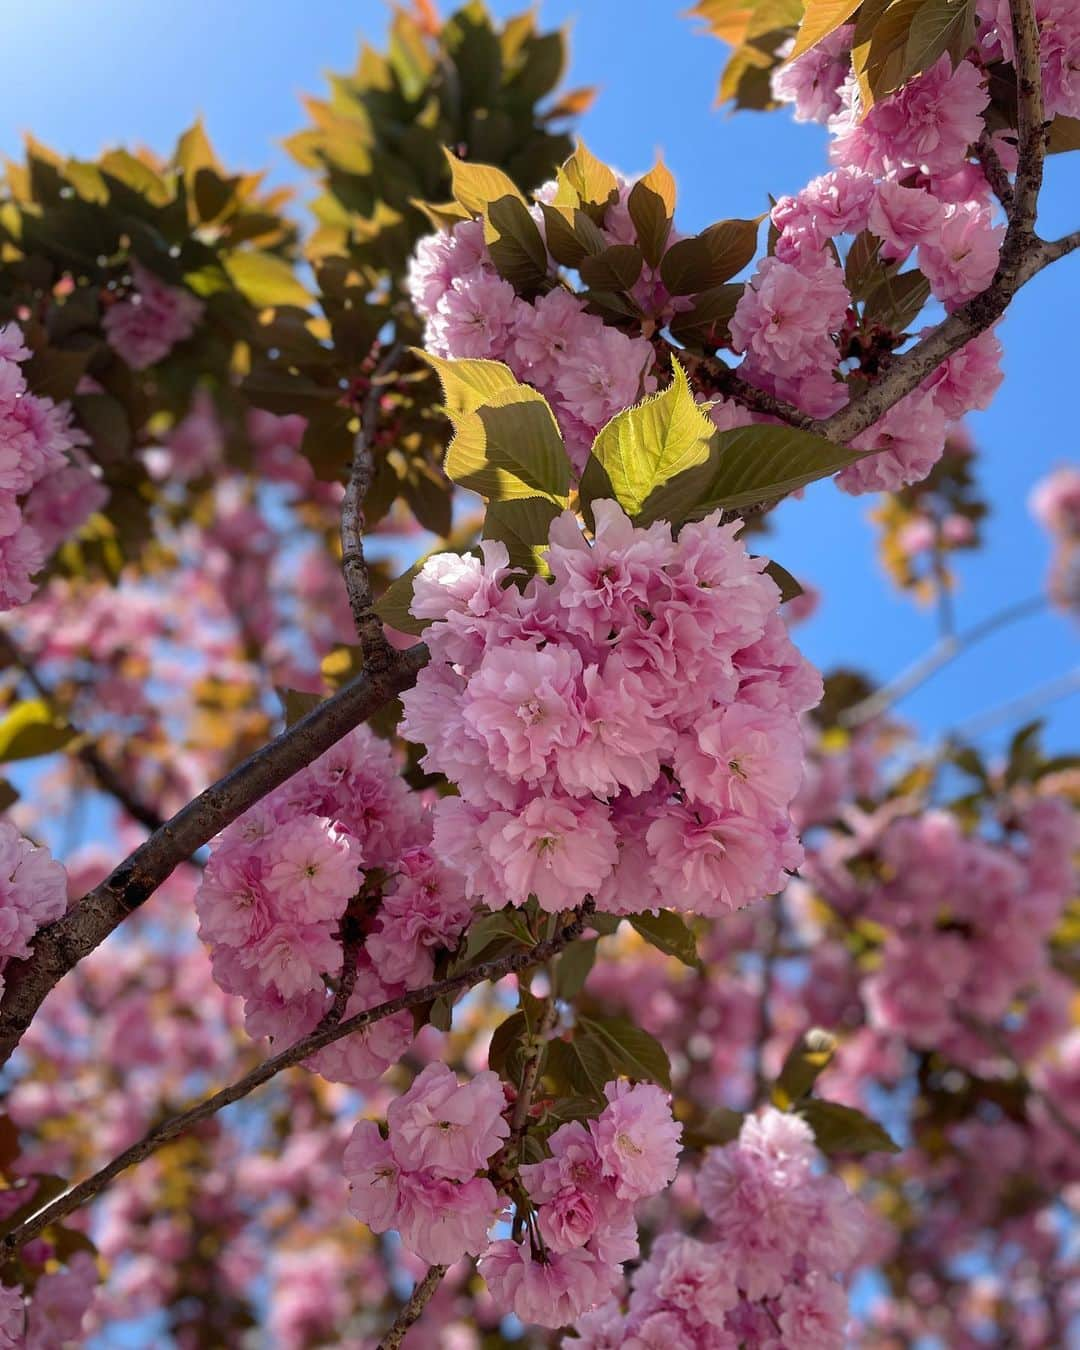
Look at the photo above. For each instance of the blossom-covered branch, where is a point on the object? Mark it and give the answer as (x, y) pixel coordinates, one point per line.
(60, 946)
(510, 964)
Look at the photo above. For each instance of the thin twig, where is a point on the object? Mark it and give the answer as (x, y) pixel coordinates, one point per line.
(376, 649)
(59, 947)
(103, 772)
(324, 1035)
(414, 1308)
(765, 1025)
(943, 653)
(1020, 709)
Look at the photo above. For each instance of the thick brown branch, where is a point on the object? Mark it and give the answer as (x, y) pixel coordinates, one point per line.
(1031, 129)
(413, 1310)
(326, 1034)
(103, 772)
(60, 946)
(377, 651)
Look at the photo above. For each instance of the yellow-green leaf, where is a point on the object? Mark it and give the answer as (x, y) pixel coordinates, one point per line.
(643, 447)
(592, 180)
(265, 280)
(822, 17)
(467, 384)
(30, 729)
(510, 446)
(474, 186)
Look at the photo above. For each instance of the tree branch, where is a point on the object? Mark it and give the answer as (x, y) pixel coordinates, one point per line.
(61, 945)
(943, 653)
(1030, 125)
(326, 1034)
(992, 167)
(377, 651)
(103, 772)
(414, 1308)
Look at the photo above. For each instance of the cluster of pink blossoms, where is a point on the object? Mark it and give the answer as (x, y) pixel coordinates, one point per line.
(967, 922)
(903, 174)
(583, 1224)
(33, 892)
(44, 494)
(278, 887)
(1055, 504)
(769, 1275)
(587, 370)
(427, 1180)
(146, 325)
(54, 1314)
(627, 729)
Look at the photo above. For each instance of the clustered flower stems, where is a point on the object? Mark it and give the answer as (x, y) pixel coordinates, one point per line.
(104, 774)
(329, 1032)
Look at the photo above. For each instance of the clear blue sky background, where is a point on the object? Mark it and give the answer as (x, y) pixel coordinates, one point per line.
(82, 74)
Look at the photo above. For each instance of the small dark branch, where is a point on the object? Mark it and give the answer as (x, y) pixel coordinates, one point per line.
(413, 1309)
(994, 170)
(519, 1121)
(1031, 128)
(943, 653)
(61, 945)
(716, 377)
(1061, 248)
(106, 777)
(377, 651)
(324, 1035)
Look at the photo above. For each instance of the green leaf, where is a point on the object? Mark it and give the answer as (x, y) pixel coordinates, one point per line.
(522, 525)
(879, 46)
(719, 1126)
(54, 372)
(789, 587)
(617, 268)
(1024, 754)
(565, 242)
(939, 26)
(474, 186)
(265, 280)
(809, 1057)
(822, 17)
(706, 324)
(645, 446)
(896, 300)
(516, 245)
(652, 207)
(669, 934)
(707, 259)
(580, 1066)
(560, 1113)
(297, 703)
(747, 465)
(572, 968)
(510, 446)
(630, 1050)
(506, 1050)
(1064, 134)
(468, 384)
(31, 728)
(842, 1129)
(393, 605)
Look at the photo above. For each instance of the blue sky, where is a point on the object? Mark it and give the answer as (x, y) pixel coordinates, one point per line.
(82, 74)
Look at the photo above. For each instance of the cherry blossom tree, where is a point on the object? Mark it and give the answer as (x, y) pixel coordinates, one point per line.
(494, 930)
